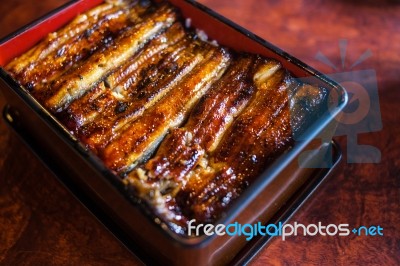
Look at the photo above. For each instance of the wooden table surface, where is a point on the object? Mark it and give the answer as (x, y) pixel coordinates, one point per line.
(41, 223)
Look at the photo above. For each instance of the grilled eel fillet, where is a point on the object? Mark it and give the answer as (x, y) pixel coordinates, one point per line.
(197, 174)
(76, 83)
(127, 92)
(256, 137)
(142, 136)
(159, 81)
(185, 147)
(191, 147)
(99, 31)
(156, 81)
(280, 110)
(55, 40)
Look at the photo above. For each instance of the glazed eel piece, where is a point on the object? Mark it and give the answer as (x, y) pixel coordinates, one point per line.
(74, 84)
(98, 36)
(113, 96)
(255, 138)
(55, 40)
(156, 81)
(185, 147)
(280, 111)
(142, 136)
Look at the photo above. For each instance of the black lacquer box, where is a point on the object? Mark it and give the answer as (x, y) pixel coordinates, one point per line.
(274, 196)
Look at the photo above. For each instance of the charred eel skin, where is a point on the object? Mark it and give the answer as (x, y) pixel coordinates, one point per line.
(54, 41)
(185, 147)
(76, 83)
(142, 136)
(126, 93)
(156, 82)
(193, 163)
(264, 128)
(280, 109)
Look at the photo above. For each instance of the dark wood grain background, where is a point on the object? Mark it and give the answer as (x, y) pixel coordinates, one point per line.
(41, 223)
